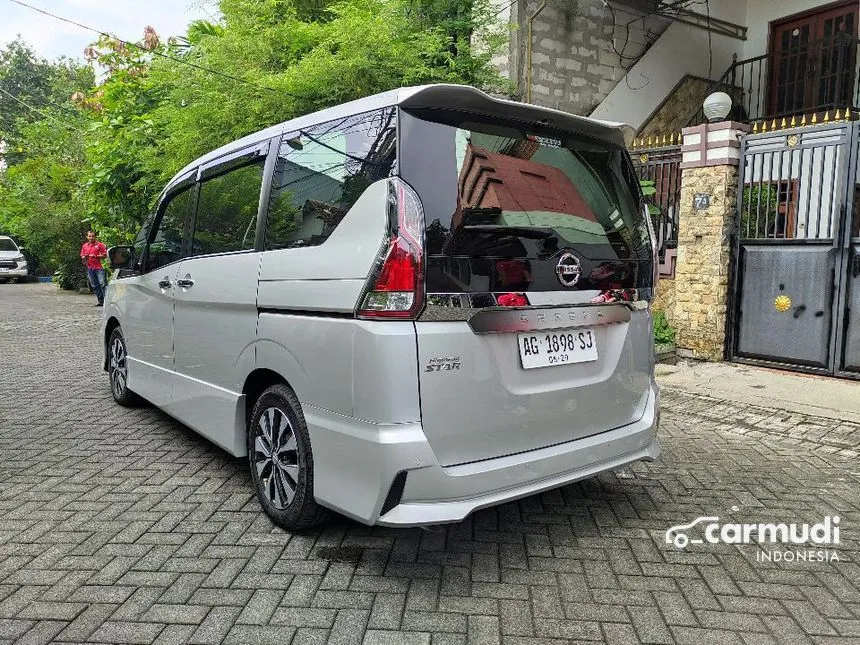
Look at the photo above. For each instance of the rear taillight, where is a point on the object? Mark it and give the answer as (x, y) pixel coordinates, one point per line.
(396, 285)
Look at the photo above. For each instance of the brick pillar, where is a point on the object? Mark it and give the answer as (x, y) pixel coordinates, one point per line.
(709, 170)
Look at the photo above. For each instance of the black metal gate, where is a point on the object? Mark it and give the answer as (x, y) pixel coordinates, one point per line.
(660, 166)
(795, 297)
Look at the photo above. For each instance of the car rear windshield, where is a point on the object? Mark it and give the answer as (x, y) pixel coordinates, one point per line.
(500, 188)
(7, 245)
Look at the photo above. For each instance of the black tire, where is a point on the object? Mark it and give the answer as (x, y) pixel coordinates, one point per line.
(284, 482)
(118, 371)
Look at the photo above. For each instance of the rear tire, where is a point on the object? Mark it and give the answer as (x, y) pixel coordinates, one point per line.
(118, 370)
(281, 460)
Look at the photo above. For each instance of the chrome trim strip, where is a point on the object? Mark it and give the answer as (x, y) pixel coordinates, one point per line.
(495, 321)
(462, 307)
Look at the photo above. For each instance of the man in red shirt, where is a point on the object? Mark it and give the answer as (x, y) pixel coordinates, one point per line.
(92, 253)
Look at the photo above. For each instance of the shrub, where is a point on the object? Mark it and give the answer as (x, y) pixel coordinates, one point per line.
(664, 333)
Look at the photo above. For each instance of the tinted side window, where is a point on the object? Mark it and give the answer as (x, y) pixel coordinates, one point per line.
(322, 171)
(142, 236)
(166, 245)
(227, 211)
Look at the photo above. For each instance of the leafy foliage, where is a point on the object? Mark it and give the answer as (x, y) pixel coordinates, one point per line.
(664, 333)
(32, 88)
(40, 196)
(649, 189)
(97, 154)
(759, 216)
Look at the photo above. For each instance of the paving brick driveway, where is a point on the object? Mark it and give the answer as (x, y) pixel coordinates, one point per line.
(121, 526)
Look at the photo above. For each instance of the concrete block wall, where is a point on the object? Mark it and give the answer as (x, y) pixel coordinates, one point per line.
(574, 62)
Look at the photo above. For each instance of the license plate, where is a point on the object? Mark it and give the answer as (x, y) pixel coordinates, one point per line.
(546, 349)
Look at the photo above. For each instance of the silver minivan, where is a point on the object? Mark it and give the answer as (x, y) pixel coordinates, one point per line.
(403, 309)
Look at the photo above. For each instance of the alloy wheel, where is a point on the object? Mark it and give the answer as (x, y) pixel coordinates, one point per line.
(118, 367)
(276, 457)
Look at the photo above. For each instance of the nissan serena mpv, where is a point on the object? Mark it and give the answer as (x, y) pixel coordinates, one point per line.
(403, 309)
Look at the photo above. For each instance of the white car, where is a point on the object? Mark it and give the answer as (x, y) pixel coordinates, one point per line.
(403, 309)
(13, 264)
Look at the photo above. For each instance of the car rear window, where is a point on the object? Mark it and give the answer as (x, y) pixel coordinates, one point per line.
(494, 188)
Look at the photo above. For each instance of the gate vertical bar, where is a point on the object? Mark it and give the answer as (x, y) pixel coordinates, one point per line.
(733, 310)
(845, 260)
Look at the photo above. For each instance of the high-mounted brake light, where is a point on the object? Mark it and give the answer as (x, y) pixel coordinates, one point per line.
(396, 285)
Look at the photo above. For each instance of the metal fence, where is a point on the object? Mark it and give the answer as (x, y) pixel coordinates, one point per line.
(791, 182)
(810, 77)
(794, 280)
(658, 164)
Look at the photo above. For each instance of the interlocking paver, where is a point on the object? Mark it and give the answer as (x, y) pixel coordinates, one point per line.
(348, 628)
(310, 636)
(261, 606)
(215, 626)
(87, 622)
(13, 628)
(122, 526)
(127, 632)
(42, 632)
(175, 614)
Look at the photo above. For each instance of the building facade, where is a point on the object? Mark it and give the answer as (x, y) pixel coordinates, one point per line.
(650, 63)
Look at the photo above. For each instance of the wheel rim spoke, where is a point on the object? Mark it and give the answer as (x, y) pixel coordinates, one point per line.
(285, 430)
(277, 424)
(264, 469)
(274, 493)
(292, 473)
(261, 446)
(288, 487)
(290, 444)
(268, 421)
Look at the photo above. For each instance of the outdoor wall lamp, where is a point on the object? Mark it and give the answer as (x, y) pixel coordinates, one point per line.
(717, 106)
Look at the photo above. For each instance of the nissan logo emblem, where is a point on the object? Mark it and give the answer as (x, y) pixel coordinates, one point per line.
(568, 269)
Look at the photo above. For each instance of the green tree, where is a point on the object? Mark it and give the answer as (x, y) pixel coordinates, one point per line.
(160, 104)
(42, 132)
(30, 88)
(121, 135)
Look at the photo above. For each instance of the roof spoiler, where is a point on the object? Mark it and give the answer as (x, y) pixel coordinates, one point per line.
(470, 99)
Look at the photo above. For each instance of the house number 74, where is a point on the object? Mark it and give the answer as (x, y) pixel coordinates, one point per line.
(701, 201)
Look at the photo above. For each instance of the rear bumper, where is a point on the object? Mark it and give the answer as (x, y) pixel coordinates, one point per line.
(356, 463)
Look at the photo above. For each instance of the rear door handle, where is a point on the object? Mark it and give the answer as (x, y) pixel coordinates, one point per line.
(165, 284)
(185, 283)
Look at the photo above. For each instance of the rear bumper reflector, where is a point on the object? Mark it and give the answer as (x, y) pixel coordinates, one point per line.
(395, 493)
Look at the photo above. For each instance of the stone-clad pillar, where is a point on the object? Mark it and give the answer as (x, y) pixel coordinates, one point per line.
(709, 194)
